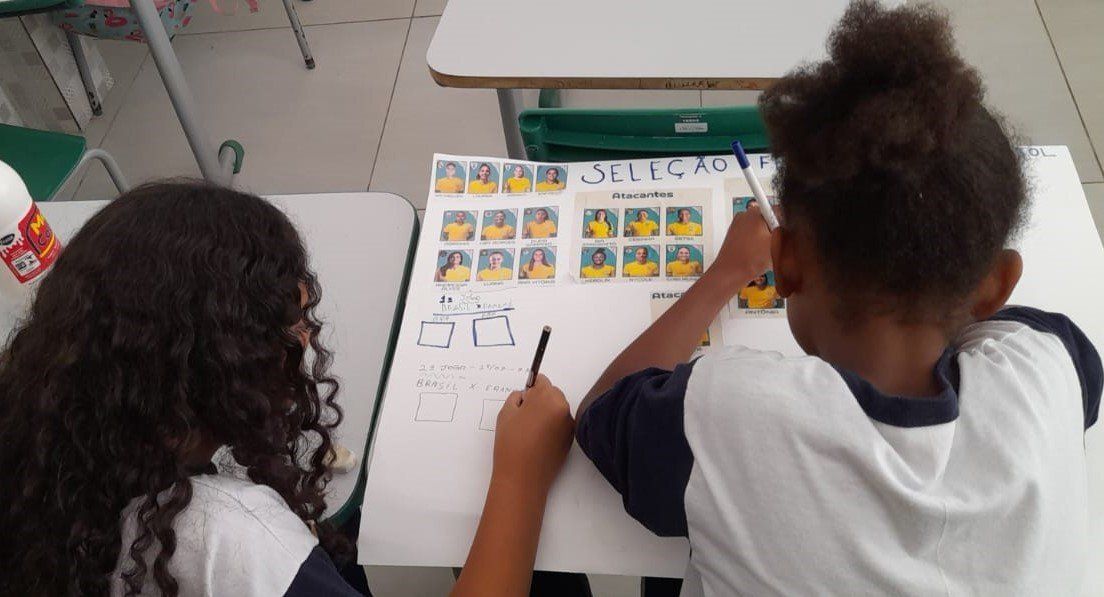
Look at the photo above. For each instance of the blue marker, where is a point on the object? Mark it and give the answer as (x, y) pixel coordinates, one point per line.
(761, 199)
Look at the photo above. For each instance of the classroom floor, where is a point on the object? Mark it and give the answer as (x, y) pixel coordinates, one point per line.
(370, 116)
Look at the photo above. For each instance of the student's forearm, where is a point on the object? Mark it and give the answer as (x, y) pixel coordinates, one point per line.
(674, 336)
(500, 562)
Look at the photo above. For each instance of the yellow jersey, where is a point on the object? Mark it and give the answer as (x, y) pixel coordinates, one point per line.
(543, 230)
(687, 229)
(540, 272)
(589, 271)
(550, 186)
(447, 184)
(641, 270)
(454, 231)
(518, 185)
(599, 229)
(678, 268)
(459, 273)
(645, 228)
(493, 232)
(759, 299)
(490, 275)
(477, 186)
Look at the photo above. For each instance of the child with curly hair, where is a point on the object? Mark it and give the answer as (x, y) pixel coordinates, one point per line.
(931, 441)
(179, 323)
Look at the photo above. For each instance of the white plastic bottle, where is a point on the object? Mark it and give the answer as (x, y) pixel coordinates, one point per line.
(28, 247)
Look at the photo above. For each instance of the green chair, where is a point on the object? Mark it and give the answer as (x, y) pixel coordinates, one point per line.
(583, 134)
(218, 165)
(46, 160)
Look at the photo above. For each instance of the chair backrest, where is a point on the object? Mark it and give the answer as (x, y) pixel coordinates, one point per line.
(574, 134)
(43, 159)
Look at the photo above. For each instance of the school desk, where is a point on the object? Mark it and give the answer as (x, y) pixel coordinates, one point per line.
(623, 44)
(359, 246)
(424, 511)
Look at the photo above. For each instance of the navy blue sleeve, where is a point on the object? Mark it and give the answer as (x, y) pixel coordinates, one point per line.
(1085, 358)
(634, 435)
(318, 576)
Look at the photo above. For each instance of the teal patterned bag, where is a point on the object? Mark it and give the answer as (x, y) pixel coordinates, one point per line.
(120, 22)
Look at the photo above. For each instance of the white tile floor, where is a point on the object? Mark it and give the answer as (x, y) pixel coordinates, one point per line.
(370, 116)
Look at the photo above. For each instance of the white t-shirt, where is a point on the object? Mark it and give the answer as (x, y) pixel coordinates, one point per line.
(792, 477)
(236, 538)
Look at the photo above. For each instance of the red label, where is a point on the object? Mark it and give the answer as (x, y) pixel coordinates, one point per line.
(31, 248)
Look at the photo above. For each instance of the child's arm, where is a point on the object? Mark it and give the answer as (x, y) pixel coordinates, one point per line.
(532, 437)
(674, 336)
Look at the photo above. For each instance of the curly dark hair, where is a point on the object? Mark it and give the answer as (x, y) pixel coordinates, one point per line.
(887, 155)
(172, 319)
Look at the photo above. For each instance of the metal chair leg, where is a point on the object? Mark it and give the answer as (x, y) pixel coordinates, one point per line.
(300, 37)
(85, 72)
(109, 164)
(172, 76)
(509, 107)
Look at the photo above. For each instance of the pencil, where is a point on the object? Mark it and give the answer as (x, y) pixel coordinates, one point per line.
(535, 368)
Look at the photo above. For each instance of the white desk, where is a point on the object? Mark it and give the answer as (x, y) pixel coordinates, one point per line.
(623, 44)
(362, 275)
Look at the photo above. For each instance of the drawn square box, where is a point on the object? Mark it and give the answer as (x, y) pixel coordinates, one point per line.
(436, 406)
(437, 334)
(492, 331)
(489, 417)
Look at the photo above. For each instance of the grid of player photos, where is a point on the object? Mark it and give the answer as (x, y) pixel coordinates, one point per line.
(499, 245)
(759, 298)
(482, 178)
(662, 239)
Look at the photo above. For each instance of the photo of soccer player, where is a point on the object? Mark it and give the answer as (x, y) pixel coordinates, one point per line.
(551, 178)
(598, 262)
(641, 221)
(684, 221)
(499, 224)
(599, 223)
(760, 293)
(458, 226)
(495, 265)
(483, 178)
(539, 222)
(537, 263)
(453, 266)
(684, 261)
(518, 178)
(742, 204)
(640, 261)
(449, 176)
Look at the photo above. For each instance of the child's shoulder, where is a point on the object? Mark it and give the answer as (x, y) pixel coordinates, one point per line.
(245, 508)
(761, 370)
(234, 537)
(1038, 352)
(745, 382)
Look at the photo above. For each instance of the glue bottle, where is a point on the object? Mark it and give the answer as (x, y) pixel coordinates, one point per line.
(28, 247)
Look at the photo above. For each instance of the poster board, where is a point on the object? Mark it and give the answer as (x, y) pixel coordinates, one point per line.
(469, 331)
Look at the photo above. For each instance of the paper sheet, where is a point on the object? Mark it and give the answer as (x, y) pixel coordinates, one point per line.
(588, 248)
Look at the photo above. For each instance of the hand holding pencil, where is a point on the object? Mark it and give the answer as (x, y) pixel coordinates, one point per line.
(532, 436)
(534, 428)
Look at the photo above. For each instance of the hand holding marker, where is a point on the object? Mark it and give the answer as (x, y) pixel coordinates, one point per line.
(761, 199)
